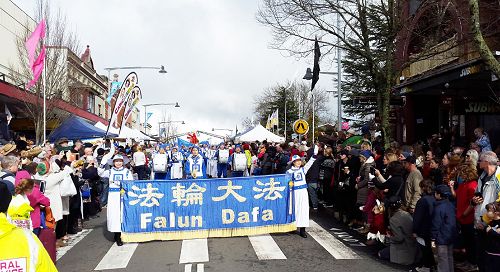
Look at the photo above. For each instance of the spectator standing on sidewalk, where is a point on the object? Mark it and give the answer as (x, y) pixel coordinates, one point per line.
(140, 163)
(422, 223)
(412, 188)
(444, 228)
(482, 139)
(487, 191)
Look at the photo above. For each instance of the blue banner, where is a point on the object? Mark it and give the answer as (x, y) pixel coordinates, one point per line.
(192, 208)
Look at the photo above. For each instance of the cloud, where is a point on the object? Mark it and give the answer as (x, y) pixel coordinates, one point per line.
(215, 52)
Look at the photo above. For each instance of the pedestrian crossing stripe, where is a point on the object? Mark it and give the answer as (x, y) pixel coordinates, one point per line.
(194, 253)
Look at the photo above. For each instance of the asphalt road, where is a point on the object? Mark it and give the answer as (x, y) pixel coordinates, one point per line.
(329, 247)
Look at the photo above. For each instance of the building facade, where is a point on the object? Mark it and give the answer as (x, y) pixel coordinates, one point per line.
(83, 91)
(446, 86)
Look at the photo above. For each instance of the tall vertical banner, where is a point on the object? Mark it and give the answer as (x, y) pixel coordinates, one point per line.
(133, 99)
(192, 208)
(123, 94)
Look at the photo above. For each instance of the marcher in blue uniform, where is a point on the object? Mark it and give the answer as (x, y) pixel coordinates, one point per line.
(222, 156)
(195, 166)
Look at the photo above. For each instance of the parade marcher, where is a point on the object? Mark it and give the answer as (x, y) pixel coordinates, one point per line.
(195, 165)
(160, 164)
(211, 162)
(300, 194)
(238, 162)
(140, 163)
(23, 245)
(103, 158)
(117, 174)
(176, 164)
(222, 161)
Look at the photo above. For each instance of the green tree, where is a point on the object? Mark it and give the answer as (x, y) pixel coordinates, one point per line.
(366, 34)
(299, 102)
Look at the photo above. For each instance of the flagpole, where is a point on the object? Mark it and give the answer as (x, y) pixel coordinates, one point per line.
(44, 79)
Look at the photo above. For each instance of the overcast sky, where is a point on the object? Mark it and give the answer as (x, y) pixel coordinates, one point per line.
(217, 55)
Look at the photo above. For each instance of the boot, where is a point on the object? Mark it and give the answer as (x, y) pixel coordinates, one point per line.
(302, 232)
(118, 238)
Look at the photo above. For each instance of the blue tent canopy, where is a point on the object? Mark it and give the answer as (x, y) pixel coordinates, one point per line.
(77, 128)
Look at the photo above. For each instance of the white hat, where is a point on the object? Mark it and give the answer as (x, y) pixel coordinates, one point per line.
(117, 157)
(296, 157)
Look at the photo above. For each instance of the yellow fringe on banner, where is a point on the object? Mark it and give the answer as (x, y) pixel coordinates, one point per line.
(196, 234)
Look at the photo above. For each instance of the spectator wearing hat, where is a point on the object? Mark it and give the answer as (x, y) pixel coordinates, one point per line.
(62, 145)
(117, 174)
(444, 228)
(412, 188)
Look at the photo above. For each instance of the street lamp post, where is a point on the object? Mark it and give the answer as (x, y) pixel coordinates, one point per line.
(167, 122)
(161, 69)
(176, 105)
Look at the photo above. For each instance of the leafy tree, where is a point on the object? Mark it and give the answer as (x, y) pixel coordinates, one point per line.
(298, 102)
(366, 34)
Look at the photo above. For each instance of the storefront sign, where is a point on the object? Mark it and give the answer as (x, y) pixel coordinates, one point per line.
(187, 209)
(470, 70)
(482, 107)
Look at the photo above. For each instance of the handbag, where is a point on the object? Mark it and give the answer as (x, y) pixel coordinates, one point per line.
(85, 191)
(67, 187)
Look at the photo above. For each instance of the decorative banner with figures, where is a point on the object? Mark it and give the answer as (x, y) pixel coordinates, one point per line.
(201, 208)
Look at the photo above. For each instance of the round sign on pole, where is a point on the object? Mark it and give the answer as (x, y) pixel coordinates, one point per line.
(301, 126)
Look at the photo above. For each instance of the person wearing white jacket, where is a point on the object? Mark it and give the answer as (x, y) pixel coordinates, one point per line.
(53, 179)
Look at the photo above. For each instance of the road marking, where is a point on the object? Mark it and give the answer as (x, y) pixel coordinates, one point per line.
(199, 267)
(266, 248)
(335, 247)
(194, 251)
(73, 240)
(117, 256)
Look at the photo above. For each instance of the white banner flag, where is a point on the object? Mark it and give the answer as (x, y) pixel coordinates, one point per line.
(127, 86)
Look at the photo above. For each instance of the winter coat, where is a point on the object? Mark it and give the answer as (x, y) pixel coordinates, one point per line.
(52, 191)
(313, 175)
(403, 247)
(444, 226)
(423, 212)
(36, 199)
(362, 185)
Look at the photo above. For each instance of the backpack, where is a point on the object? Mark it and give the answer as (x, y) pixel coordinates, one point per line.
(47, 220)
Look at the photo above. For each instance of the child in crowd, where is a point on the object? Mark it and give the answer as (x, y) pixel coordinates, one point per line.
(19, 208)
(492, 261)
(444, 228)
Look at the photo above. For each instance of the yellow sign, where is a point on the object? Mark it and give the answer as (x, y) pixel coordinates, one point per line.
(301, 127)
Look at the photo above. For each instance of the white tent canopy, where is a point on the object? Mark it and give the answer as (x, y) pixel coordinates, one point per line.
(126, 133)
(259, 133)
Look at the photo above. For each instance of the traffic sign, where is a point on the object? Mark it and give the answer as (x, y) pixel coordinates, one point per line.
(301, 127)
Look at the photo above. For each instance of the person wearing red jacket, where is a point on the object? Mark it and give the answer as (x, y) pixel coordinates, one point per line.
(467, 185)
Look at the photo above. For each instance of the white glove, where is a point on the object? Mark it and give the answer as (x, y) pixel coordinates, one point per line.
(371, 176)
(316, 149)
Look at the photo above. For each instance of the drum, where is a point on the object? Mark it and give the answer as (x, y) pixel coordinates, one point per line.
(160, 163)
(223, 156)
(239, 162)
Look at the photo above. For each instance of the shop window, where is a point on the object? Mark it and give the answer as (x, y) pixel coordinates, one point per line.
(91, 103)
